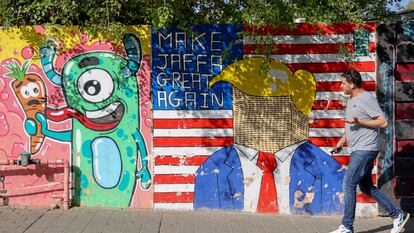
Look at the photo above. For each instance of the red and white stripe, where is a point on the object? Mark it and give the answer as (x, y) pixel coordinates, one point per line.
(183, 140)
(316, 48)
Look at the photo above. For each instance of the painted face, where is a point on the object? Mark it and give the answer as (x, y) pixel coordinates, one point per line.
(346, 86)
(31, 92)
(95, 88)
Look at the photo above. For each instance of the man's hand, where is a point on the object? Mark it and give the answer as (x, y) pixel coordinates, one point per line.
(355, 120)
(336, 149)
(375, 122)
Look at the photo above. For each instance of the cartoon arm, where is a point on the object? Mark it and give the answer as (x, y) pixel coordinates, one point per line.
(47, 55)
(31, 128)
(132, 47)
(143, 173)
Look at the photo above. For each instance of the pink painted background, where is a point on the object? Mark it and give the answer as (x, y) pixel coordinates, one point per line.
(12, 127)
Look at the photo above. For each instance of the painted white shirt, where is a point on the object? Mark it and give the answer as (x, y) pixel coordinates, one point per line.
(282, 176)
(252, 175)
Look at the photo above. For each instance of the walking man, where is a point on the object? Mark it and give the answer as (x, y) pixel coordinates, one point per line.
(363, 120)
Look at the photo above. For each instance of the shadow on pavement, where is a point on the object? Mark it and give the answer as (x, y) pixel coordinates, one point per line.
(409, 227)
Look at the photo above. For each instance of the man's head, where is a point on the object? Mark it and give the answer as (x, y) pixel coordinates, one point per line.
(351, 80)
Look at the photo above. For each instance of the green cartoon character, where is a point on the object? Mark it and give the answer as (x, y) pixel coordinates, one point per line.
(102, 96)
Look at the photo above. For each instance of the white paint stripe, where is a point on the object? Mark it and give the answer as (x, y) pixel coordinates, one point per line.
(304, 39)
(333, 95)
(165, 188)
(188, 114)
(310, 58)
(327, 149)
(337, 77)
(330, 95)
(173, 206)
(193, 132)
(185, 150)
(167, 169)
(327, 114)
(316, 58)
(326, 132)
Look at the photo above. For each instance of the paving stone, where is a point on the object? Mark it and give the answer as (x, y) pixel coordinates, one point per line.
(203, 222)
(81, 220)
(219, 222)
(186, 222)
(151, 222)
(92, 220)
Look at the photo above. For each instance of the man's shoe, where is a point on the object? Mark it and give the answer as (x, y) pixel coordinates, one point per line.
(342, 229)
(399, 222)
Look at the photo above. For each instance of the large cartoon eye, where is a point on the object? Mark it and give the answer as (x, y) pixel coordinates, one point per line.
(34, 89)
(25, 92)
(95, 85)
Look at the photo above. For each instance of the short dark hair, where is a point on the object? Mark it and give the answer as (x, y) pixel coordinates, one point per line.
(353, 76)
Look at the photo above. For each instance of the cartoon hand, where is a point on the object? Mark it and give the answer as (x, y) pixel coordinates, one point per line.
(42, 119)
(30, 126)
(65, 136)
(48, 49)
(145, 177)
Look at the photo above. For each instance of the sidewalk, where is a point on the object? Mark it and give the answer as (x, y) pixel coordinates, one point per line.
(33, 220)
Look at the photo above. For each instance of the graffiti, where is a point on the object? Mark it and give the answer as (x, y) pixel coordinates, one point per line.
(102, 98)
(307, 166)
(278, 81)
(188, 119)
(191, 120)
(183, 66)
(31, 93)
(386, 89)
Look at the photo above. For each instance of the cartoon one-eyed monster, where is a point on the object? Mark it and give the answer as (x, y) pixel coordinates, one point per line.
(102, 95)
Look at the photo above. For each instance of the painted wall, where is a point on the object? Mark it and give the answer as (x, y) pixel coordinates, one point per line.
(193, 119)
(395, 69)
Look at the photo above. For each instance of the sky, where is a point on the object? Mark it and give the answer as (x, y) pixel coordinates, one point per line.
(403, 3)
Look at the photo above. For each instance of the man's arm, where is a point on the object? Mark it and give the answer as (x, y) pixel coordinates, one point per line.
(376, 122)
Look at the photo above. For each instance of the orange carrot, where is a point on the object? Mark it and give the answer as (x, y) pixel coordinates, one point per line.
(30, 90)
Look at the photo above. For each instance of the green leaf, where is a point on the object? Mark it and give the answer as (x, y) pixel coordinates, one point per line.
(15, 70)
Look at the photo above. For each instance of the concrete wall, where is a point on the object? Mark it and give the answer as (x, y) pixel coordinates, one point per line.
(191, 119)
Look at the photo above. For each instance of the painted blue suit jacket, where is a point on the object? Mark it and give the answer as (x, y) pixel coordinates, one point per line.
(312, 169)
(219, 180)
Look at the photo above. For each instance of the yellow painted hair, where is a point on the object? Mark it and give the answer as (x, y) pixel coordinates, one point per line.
(279, 80)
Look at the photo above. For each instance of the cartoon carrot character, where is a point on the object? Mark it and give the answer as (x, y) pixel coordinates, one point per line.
(30, 90)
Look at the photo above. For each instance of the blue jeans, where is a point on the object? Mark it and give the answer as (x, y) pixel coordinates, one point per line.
(360, 173)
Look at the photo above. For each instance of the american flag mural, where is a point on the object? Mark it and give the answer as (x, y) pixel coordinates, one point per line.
(326, 51)
(191, 122)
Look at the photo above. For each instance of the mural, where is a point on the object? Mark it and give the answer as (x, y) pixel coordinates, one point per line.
(192, 119)
(31, 93)
(25, 91)
(294, 151)
(230, 178)
(395, 62)
(101, 98)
